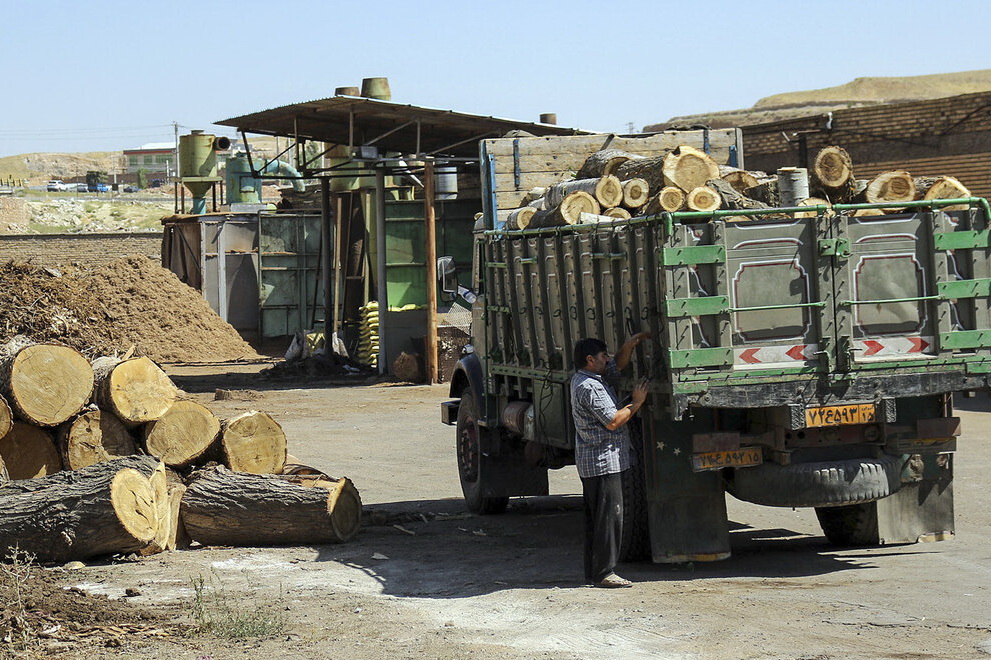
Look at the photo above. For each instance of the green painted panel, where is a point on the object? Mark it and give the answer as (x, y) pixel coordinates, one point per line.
(961, 339)
(697, 306)
(694, 254)
(964, 289)
(962, 240)
(701, 357)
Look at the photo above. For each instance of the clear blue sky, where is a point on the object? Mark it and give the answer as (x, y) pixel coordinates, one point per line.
(100, 76)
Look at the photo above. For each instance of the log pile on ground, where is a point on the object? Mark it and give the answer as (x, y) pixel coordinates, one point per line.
(129, 302)
(113, 468)
(615, 185)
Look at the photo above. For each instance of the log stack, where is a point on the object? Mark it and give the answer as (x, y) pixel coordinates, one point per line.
(105, 465)
(686, 179)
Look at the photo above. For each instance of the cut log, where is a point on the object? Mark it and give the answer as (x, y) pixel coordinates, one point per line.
(833, 174)
(178, 537)
(45, 384)
(253, 442)
(703, 198)
(945, 187)
(293, 466)
(604, 162)
(4, 475)
(813, 201)
(6, 417)
(135, 390)
(732, 198)
(568, 213)
(688, 168)
(146, 465)
(669, 199)
(607, 191)
(648, 169)
(520, 218)
(893, 186)
(793, 185)
(619, 213)
(221, 507)
(766, 192)
(29, 452)
(867, 213)
(182, 435)
(92, 437)
(99, 510)
(635, 193)
(160, 491)
(740, 179)
(532, 195)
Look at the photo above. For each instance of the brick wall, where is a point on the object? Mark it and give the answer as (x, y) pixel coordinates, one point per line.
(84, 249)
(947, 136)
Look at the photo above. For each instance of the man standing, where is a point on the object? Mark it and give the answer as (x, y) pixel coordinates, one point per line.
(602, 451)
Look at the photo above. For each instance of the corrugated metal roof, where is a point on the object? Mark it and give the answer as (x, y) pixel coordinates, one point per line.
(408, 129)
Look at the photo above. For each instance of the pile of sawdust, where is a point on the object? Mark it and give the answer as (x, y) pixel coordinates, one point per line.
(129, 302)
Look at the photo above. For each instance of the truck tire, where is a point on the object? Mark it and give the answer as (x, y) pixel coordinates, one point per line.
(853, 525)
(823, 483)
(471, 460)
(635, 543)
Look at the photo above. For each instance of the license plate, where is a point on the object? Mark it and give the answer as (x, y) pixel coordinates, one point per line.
(856, 413)
(716, 460)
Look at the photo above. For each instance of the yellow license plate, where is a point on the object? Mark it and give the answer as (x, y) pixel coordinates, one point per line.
(855, 413)
(716, 460)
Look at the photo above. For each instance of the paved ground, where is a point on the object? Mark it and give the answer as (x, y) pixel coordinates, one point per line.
(425, 579)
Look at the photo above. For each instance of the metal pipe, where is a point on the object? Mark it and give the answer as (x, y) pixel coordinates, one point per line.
(380, 270)
(329, 296)
(431, 247)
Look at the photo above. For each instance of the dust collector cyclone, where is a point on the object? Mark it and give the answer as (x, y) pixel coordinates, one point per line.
(198, 165)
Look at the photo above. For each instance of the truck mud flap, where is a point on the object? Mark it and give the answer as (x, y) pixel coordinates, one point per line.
(825, 483)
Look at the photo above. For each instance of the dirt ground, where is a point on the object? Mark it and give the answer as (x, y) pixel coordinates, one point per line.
(424, 579)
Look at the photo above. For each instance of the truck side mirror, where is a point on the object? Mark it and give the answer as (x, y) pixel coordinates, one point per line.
(447, 277)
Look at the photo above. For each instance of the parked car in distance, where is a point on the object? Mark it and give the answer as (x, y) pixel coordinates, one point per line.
(98, 187)
(55, 186)
(130, 189)
(82, 187)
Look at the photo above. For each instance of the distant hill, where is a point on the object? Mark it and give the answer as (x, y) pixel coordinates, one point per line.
(37, 168)
(857, 93)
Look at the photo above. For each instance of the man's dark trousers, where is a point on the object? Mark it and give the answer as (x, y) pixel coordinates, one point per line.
(603, 524)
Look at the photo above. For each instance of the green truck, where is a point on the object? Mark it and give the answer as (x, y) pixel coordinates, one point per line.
(798, 359)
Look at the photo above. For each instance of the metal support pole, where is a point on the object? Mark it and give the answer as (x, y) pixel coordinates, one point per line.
(329, 295)
(380, 270)
(338, 265)
(430, 346)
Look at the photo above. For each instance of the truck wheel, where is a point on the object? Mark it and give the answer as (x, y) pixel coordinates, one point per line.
(635, 544)
(849, 525)
(471, 461)
(822, 483)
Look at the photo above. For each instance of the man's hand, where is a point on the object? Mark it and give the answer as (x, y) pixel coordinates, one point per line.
(624, 352)
(639, 394)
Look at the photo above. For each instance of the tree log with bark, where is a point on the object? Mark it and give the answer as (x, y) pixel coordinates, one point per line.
(607, 191)
(221, 507)
(568, 213)
(29, 452)
(635, 193)
(253, 442)
(833, 174)
(604, 162)
(6, 417)
(688, 168)
(135, 390)
(942, 187)
(520, 218)
(45, 384)
(887, 187)
(619, 213)
(703, 198)
(102, 509)
(182, 435)
(92, 437)
(741, 179)
(732, 198)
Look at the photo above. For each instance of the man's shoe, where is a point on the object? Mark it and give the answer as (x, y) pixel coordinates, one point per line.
(613, 581)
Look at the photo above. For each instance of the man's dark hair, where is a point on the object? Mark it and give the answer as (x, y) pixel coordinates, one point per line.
(586, 347)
